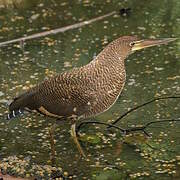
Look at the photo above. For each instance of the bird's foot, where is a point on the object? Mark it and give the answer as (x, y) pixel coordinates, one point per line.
(74, 135)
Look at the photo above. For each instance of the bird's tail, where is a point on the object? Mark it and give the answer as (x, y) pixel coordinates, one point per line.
(13, 113)
(19, 104)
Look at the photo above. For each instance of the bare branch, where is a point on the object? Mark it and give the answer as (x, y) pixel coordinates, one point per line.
(144, 104)
(129, 130)
(97, 122)
(58, 30)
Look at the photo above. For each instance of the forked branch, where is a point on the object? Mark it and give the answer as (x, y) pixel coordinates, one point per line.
(142, 105)
(129, 130)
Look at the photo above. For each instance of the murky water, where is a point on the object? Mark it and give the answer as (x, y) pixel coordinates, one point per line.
(150, 73)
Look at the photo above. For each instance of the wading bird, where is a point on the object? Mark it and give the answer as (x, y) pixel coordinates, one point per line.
(85, 91)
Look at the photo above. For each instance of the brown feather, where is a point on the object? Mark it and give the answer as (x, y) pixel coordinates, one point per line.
(85, 91)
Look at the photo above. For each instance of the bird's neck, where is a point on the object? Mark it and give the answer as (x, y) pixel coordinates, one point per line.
(109, 61)
(108, 73)
(106, 76)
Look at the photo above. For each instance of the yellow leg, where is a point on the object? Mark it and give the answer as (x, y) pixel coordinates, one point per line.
(73, 134)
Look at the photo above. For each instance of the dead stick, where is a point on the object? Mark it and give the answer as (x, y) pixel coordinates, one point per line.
(129, 130)
(58, 30)
(142, 105)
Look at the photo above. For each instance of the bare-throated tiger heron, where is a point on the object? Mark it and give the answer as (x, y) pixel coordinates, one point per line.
(85, 91)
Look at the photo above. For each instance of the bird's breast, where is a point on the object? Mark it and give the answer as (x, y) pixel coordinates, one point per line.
(106, 94)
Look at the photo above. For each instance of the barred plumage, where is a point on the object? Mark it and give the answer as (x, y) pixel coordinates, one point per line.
(82, 92)
(86, 91)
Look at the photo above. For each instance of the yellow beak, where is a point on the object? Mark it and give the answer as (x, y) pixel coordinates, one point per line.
(150, 42)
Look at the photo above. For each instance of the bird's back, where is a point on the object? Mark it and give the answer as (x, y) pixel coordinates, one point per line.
(80, 92)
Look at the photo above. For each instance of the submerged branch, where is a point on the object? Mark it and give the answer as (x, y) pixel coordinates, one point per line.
(58, 30)
(143, 128)
(97, 122)
(128, 130)
(142, 105)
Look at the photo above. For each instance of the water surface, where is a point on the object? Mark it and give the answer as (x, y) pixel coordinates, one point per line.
(150, 73)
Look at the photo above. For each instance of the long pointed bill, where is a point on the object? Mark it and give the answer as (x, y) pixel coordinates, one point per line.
(150, 42)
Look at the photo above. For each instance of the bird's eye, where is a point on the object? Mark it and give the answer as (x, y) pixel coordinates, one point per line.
(132, 44)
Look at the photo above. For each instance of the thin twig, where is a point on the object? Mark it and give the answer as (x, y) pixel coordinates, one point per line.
(141, 105)
(160, 121)
(97, 122)
(129, 130)
(143, 128)
(58, 30)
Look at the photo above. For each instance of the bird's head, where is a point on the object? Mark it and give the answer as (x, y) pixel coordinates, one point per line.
(129, 44)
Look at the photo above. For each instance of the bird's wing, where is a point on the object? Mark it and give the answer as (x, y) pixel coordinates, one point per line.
(66, 98)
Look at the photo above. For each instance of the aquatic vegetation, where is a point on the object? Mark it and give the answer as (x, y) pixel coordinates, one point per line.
(25, 141)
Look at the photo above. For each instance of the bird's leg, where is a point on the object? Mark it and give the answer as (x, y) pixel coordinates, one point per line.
(52, 143)
(74, 135)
